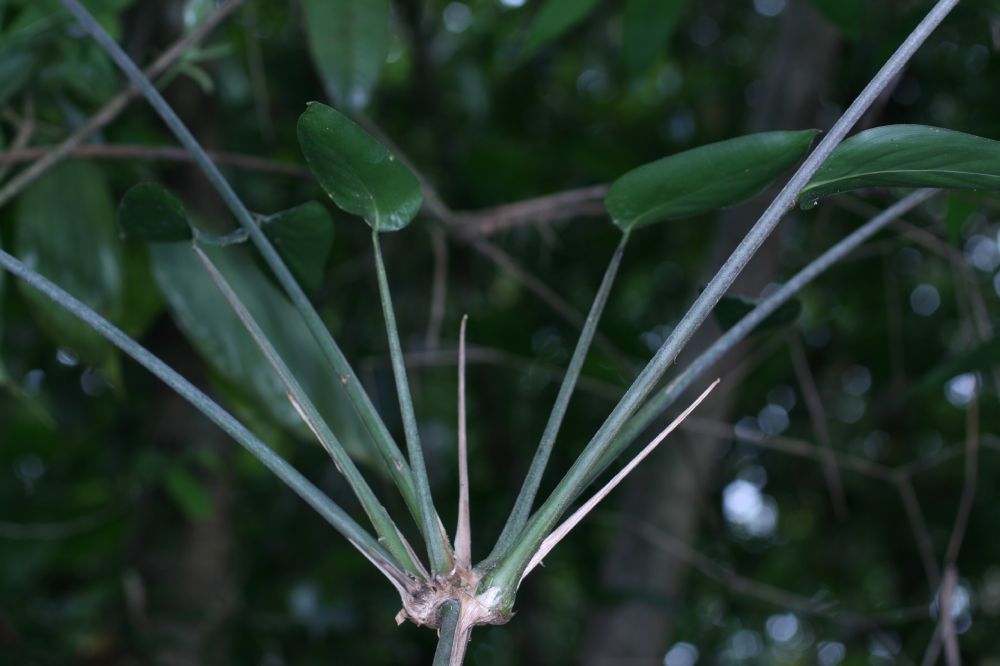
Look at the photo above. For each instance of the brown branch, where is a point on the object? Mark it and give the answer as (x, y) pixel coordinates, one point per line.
(25, 129)
(583, 202)
(968, 485)
(762, 591)
(818, 417)
(920, 532)
(156, 153)
(110, 111)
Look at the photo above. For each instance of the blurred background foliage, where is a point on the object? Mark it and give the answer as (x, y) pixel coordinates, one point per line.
(133, 532)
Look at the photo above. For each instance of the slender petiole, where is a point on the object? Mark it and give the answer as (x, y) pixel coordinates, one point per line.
(434, 537)
(463, 531)
(529, 489)
(387, 530)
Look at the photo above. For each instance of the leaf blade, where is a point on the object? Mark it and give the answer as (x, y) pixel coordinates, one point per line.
(555, 18)
(907, 156)
(149, 212)
(358, 173)
(647, 27)
(303, 235)
(712, 176)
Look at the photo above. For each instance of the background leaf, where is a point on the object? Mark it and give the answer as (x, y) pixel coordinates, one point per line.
(552, 20)
(203, 314)
(348, 41)
(358, 172)
(151, 213)
(907, 156)
(980, 358)
(648, 25)
(187, 492)
(304, 237)
(66, 231)
(704, 178)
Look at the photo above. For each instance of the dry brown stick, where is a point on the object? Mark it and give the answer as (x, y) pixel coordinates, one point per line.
(583, 202)
(790, 446)
(818, 417)
(968, 484)
(949, 637)
(25, 128)
(157, 153)
(110, 111)
(762, 591)
(918, 525)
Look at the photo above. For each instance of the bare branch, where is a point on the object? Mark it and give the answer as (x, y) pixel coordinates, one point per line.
(817, 415)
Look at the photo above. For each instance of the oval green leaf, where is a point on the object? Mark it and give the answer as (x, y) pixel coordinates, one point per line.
(150, 213)
(66, 231)
(203, 315)
(359, 173)
(304, 237)
(349, 42)
(705, 178)
(552, 20)
(907, 156)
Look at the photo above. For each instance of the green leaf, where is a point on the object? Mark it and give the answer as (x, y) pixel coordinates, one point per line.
(731, 309)
(978, 359)
(907, 156)
(187, 492)
(16, 69)
(848, 15)
(359, 173)
(648, 25)
(552, 20)
(202, 313)
(349, 42)
(149, 212)
(66, 231)
(304, 237)
(704, 178)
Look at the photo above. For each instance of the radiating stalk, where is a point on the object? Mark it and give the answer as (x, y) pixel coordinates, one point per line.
(301, 486)
(384, 443)
(449, 636)
(437, 547)
(529, 489)
(509, 570)
(676, 387)
(387, 530)
(463, 530)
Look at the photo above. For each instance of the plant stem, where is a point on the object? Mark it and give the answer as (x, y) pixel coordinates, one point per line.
(463, 529)
(391, 455)
(448, 636)
(526, 497)
(509, 570)
(387, 530)
(663, 399)
(437, 546)
(301, 486)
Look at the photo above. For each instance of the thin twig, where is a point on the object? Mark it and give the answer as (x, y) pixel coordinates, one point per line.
(116, 105)
(949, 637)
(817, 415)
(157, 153)
(767, 593)
(463, 532)
(25, 129)
(968, 485)
(566, 205)
(918, 525)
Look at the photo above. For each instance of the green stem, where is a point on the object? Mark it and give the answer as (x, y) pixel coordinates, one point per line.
(449, 638)
(437, 546)
(301, 486)
(664, 398)
(522, 506)
(387, 448)
(508, 572)
(385, 527)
